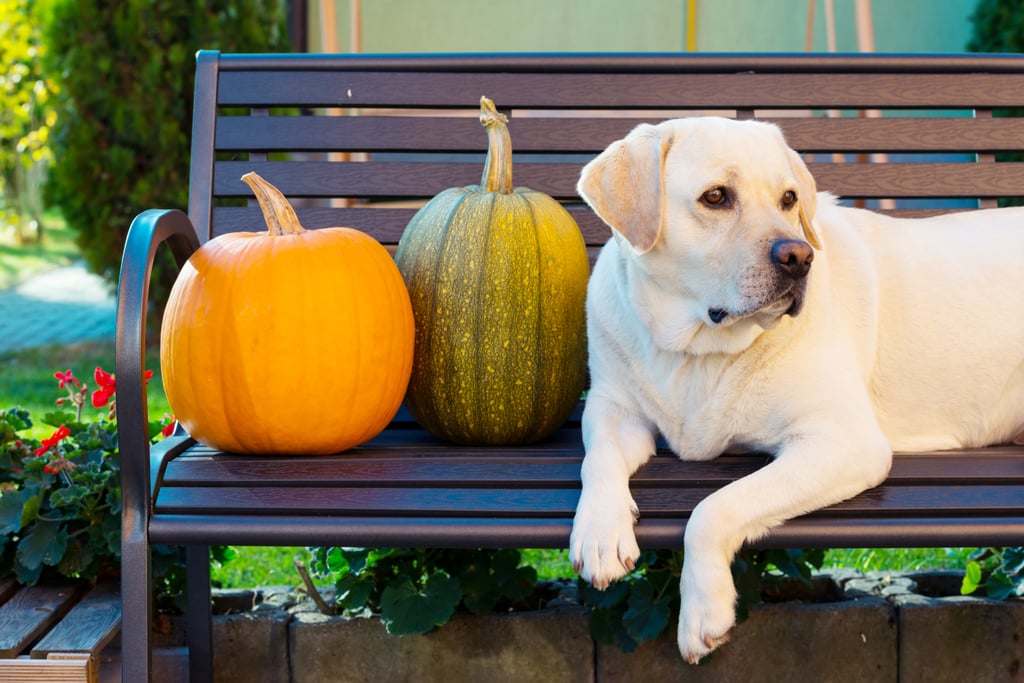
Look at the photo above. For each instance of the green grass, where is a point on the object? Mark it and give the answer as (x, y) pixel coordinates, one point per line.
(26, 379)
(19, 261)
(258, 566)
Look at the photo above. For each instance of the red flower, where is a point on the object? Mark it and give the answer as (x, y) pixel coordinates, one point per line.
(108, 386)
(169, 427)
(66, 378)
(62, 433)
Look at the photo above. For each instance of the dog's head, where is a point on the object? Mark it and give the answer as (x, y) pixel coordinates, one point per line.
(717, 216)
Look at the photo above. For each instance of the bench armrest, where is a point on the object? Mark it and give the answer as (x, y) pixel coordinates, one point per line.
(148, 231)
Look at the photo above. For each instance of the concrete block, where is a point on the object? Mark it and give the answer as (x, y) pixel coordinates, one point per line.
(961, 639)
(847, 641)
(541, 647)
(251, 646)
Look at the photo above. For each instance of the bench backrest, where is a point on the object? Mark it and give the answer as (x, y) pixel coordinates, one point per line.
(363, 141)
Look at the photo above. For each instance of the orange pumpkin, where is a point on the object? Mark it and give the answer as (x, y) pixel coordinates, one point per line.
(288, 341)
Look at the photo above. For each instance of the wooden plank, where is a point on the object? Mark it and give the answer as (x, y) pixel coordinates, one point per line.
(549, 89)
(88, 627)
(64, 669)
(30, 612)
(424, 180)
(407, 462)
(658, 499)
(590, 135)
(8, 587)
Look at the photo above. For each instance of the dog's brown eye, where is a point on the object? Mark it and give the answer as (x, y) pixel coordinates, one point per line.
(788, 199)
(716, 196)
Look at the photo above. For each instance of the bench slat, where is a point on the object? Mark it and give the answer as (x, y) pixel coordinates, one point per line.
(425, 179)
(574, 134)
(549, 89)
(497, 532)
(525, 502)
(440, 464)
(30, 612)
(88, 627)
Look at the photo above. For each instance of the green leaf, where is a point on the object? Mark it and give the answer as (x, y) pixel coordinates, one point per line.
(1000, 586)
(972, 578)
(405, 610)
(44, 544)
(11, 504)
(352, 559)
(615, 594)
(647, 615)
(1013, 561)
(69, 495)
(353, 593)
(606, 627)
(31, 502)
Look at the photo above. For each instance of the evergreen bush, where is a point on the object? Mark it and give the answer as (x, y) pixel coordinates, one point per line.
(126, 69)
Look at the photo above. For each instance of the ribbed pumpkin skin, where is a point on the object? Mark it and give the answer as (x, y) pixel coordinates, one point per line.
(498, 283)
(290, 344)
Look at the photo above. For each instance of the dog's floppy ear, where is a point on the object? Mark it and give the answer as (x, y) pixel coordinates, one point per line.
(808, 198)
(624, 185)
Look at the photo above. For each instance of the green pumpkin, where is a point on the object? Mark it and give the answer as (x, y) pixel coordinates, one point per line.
(497, 278)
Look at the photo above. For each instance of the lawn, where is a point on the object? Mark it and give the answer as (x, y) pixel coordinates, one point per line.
(26, 380)
(18, 261)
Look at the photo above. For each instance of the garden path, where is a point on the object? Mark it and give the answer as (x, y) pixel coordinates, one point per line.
(58, 306)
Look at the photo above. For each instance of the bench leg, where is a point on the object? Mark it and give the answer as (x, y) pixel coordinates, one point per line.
(200, 619)
(136, 609)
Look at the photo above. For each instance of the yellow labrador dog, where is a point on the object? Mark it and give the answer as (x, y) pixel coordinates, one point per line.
(737, 309)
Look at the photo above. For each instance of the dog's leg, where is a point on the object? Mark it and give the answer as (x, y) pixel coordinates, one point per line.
(808, 474)
(603, 547)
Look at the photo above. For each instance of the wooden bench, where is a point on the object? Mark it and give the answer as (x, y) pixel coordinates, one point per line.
(56, 632)
(362, 141)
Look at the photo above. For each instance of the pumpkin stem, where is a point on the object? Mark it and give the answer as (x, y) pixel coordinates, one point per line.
(277, 210)
(498, 166)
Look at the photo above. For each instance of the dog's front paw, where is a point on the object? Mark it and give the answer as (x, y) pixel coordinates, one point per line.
(602, 547)
(708, 608)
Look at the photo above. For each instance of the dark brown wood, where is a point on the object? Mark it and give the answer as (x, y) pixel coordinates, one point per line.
(546, 134)
(552, 90)
(88, 627)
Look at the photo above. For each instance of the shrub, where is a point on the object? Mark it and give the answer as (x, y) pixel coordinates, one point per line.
(25, 120)
(126, 71)
(998, 26)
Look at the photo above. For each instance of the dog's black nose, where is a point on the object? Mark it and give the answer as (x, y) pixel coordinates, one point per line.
(792, 257)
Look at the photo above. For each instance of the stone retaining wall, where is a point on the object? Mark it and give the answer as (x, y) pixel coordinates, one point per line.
(883, 630)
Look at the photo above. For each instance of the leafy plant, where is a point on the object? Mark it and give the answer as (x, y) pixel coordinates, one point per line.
(60, 497)
(640, 606)
(998, 571)
(418, 590)
(126, 71)
(25, 118)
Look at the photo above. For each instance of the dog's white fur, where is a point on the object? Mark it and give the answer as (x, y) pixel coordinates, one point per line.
(910, 337)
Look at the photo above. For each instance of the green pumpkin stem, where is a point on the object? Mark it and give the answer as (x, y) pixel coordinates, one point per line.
(498, 166)
(277, 210)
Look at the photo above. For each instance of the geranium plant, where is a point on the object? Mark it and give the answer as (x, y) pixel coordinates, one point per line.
(60, 497)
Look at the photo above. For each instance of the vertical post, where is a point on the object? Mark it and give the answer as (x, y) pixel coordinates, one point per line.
(200, 618)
